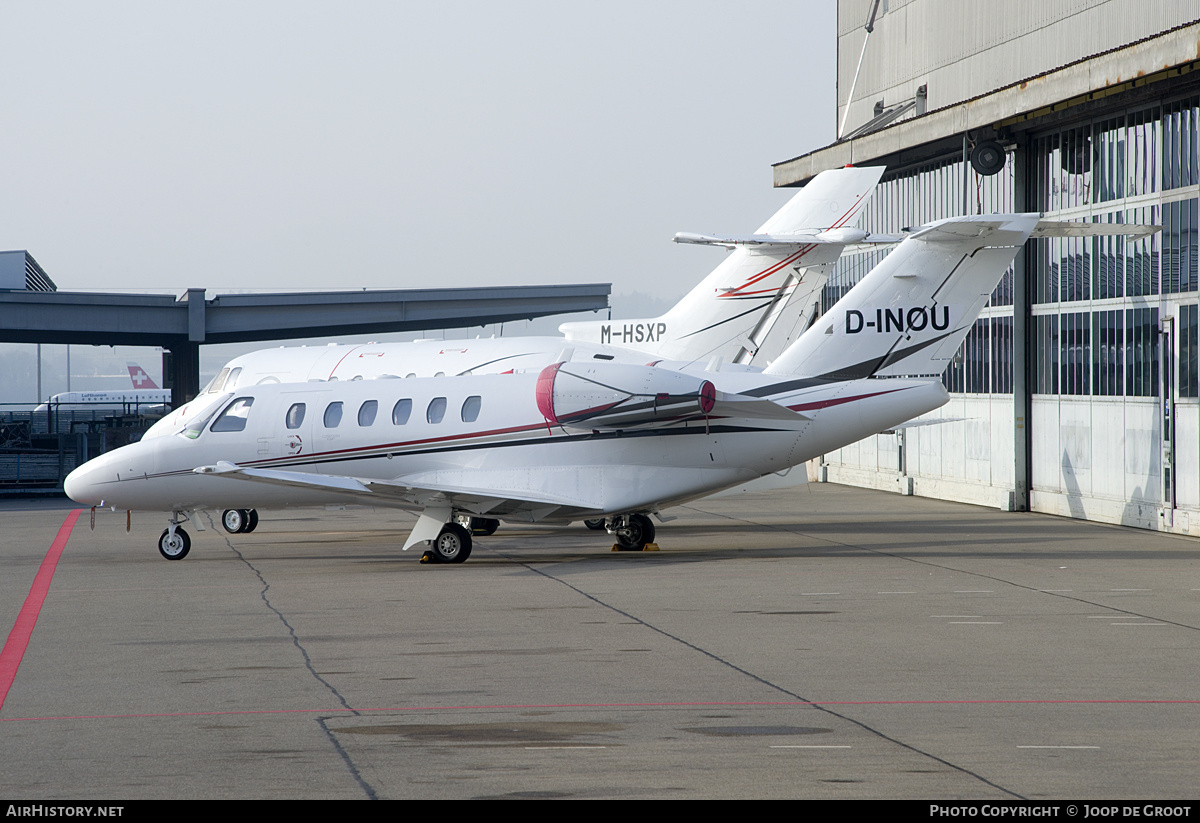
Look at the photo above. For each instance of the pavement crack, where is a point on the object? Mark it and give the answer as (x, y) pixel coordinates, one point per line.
(759, 679)
(367, 788)
(308, 664)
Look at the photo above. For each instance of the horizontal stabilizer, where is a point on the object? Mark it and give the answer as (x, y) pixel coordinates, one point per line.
(839, 236)
(1064, 228)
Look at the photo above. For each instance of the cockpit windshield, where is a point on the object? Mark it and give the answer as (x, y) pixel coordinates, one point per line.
(192, 430)
(233, 419)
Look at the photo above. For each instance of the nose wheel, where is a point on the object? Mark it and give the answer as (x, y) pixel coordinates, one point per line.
(174, 544)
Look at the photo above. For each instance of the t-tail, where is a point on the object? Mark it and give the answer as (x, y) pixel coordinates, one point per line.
(910, 314)
(767, 287)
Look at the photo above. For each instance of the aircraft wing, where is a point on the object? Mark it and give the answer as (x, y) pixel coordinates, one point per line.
(522, 493)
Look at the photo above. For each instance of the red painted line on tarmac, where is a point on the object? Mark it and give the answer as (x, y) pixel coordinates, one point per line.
(682, 705)
(22, 630)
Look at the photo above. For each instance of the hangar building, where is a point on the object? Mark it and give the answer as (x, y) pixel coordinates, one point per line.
(1077, 391)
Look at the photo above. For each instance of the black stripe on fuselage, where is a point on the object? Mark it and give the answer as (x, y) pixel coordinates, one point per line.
(382, 451)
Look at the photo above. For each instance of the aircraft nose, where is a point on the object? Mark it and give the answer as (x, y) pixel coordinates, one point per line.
(83, 484)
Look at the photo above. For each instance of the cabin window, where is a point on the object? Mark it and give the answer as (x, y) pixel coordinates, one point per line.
(470, 408)
(436, 410)
(295, 416)
(401, 411)
(367, 412)
(233, 419)
(333, 415)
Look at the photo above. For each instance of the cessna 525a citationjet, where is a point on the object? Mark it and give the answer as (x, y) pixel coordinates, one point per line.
(584, 439)
(759, 299)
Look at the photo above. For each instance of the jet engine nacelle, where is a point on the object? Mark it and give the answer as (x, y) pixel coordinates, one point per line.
(614, 395)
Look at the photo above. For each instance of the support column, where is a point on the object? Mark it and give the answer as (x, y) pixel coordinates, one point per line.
(185, 368)
(1024, 348)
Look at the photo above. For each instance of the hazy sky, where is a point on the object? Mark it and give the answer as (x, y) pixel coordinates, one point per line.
(278, 146)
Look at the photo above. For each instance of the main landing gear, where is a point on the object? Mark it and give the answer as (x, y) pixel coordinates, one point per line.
(453, 545)
(239, 521)
(483, 526)
(632, 531)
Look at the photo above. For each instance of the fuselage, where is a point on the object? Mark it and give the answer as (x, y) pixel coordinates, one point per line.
(482, 443)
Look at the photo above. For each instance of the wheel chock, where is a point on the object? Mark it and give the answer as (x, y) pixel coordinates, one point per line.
(429, 557)
(649, 547)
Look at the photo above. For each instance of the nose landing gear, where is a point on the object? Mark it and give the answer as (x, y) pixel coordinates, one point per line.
(174, 543)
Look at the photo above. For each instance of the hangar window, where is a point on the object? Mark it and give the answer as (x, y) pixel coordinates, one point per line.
(401, 411)
(367, 412)
(333, 415)
(1188, 384)
(295, 416)
(470, 408)
(233, 419)
(436, 410)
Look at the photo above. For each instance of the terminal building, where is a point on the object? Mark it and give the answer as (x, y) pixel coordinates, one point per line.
(1077, 391)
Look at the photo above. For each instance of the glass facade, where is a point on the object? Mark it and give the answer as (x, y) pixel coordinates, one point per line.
(1096, 302)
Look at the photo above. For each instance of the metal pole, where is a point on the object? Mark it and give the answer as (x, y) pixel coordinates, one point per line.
(870, 28)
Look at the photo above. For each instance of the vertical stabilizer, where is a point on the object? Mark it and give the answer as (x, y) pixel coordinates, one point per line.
(909, 315)
(767, 282)
(139, 378)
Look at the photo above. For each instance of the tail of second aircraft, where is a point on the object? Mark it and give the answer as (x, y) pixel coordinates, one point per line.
(910, 314)
(769, 282)
(139, 378)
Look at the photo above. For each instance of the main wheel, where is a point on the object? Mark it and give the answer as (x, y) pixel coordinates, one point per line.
(596, 524)
(453, 545)
(484, 526)
(636, 534)
(174, 546)
(251, 520)
(234, 520)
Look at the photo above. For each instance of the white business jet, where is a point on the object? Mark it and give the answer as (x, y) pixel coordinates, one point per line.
(579, 439)
(768, 285)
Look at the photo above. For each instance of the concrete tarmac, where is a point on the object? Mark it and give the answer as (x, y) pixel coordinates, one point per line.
(826, 642)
